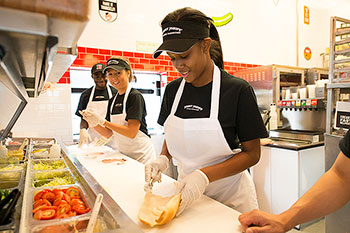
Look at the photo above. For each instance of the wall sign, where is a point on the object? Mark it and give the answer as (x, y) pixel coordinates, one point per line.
(306, 15)
(307, 53)
(108, 10)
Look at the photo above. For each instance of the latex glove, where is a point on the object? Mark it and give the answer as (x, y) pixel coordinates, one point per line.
(84, 138)
(191, 188)
(154, 169)
(92, 118)
(102, 141)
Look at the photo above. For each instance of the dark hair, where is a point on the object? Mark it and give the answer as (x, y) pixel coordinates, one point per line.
(193, 15)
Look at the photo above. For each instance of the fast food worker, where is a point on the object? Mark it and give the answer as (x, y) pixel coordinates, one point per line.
(126, 114)
(203, 112)
(96, 98)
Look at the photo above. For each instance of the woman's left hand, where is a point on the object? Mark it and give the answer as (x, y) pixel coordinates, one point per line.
(191, 187)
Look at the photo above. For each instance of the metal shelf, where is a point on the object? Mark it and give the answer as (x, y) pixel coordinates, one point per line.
(338, 85)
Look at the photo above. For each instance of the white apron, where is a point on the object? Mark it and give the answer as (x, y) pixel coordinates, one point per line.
(200, 142)
(139, 148)
(100, 107)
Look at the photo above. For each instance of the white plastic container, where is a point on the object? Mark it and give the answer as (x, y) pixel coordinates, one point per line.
(273, 119)
(311, 90)
(3, 151)
(302, 93)
(55, 151)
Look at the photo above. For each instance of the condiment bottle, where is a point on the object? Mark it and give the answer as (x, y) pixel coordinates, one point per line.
(3, 151)
(55, 151)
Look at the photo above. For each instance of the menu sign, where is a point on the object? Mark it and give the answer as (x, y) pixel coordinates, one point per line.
(108, 10)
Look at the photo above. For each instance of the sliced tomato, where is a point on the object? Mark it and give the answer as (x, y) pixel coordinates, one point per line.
(45, 214)
(41, 202)
(39, 195)
(59, 202)
(73, 192)
(50, 196)
(76, 201)
(66, 198)
(72, 213)
(44, 208)
(80, 209)
(63, 209)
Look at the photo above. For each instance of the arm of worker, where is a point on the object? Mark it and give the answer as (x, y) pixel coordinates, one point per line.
(84, 136)
(329, 193)
(248, 157)
(129, 130)
(154, 169)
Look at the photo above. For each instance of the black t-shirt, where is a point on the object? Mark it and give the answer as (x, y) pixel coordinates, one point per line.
(135, 108)
(344, 144)
(99, 95)
(239, 115)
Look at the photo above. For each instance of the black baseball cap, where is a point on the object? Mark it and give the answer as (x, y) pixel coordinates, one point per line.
(117, 64)
(97, 68)
(180, 36)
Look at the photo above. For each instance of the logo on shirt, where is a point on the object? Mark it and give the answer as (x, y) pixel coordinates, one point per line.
(118, 105)
(99, 97)
(191, 107)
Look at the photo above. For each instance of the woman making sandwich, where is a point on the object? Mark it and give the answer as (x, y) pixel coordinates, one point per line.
(204, 113)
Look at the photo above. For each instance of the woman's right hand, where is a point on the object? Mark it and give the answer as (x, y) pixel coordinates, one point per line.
(154, 169)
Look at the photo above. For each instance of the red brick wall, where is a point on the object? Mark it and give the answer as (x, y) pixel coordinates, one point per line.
(87, 57)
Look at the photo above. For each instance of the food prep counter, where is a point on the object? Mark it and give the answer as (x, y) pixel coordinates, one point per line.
(58, 194)
(124, 182)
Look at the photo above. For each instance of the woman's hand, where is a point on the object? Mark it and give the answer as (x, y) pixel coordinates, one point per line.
(191, 188)
(92, 118)
(257, 221)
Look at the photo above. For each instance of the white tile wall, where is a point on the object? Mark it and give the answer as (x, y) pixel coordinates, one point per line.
(49, 115)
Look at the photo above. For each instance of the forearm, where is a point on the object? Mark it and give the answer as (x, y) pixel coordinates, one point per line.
(165, 150)
(103, 131)
(238, 163)
(129, 131)
(83, 124)
(328, 194)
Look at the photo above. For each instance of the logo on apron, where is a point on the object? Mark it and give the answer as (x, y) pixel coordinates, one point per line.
(108, 10)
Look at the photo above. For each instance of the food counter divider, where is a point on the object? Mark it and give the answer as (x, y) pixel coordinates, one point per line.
(41, 169)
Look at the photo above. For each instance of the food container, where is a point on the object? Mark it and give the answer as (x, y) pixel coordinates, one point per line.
(311, 89)
(302, 92)
(52, 178)
(76, 225)
(48, 164)
(67, 224)
(40, 142)
(11, 179)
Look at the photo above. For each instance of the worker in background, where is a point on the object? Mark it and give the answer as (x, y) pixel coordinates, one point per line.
(96, 98)
(330, 192)
(126, 114)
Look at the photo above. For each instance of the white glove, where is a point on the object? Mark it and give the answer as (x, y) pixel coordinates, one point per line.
(84, 137)
(92, 118)
(191, 187)
(102, 141)
(154, 169)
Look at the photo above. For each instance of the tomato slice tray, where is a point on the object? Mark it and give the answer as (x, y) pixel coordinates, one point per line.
(64, 205)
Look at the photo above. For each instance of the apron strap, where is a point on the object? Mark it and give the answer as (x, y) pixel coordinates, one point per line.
(215, 93)
(109, 91)
(92, 94)
(124, 101)
(177, 97)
